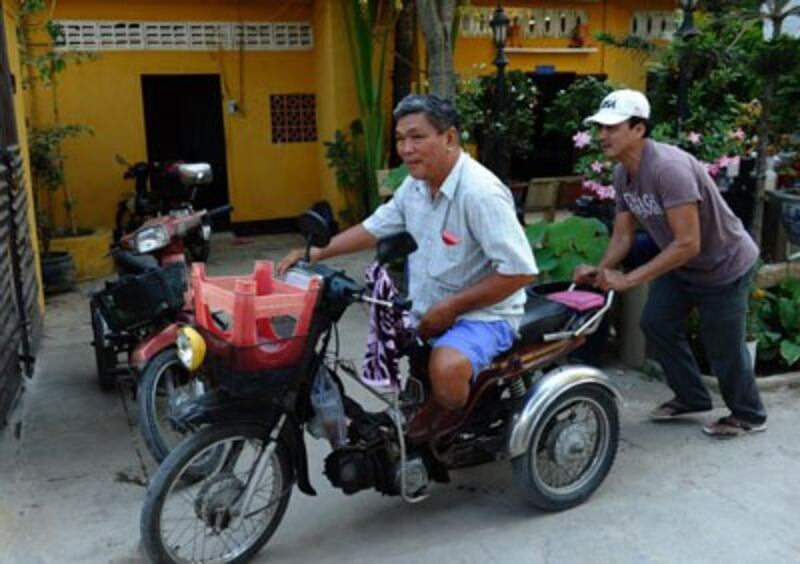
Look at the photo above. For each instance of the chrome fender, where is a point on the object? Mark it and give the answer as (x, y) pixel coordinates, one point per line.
(543, 393)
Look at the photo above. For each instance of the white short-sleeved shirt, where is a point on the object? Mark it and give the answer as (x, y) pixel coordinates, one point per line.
(474, 206)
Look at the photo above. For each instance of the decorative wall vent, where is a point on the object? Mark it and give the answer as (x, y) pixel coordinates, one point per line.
(526, 23)
(84, 35)
(654, 24)
(293, 117)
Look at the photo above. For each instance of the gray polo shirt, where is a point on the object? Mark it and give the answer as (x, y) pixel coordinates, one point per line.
(476, 208)
(669, 177)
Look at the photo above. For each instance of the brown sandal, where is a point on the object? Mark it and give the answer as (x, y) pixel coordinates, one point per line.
(730, 427)
(674, 408)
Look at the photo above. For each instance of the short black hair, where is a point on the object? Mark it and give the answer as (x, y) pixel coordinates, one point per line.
(441, 112)
(648, 126)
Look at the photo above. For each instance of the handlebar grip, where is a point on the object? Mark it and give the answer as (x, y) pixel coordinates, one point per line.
(403, 304)
(216, 212)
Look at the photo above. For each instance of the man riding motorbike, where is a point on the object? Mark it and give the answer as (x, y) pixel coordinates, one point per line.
(467, 278)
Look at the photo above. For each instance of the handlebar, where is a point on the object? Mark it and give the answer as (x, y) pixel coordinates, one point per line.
(216, 212)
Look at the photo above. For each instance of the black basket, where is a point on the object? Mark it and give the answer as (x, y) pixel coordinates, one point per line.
(246, 371)
(137, 299)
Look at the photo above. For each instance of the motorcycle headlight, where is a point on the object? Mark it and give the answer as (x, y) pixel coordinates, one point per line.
(151, 239)
(191, 348)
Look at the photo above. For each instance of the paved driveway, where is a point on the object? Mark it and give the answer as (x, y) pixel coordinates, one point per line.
(72, 467)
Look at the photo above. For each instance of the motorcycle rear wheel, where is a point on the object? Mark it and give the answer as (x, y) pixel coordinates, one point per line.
(105, 355)
(181, 515)
(571, 451)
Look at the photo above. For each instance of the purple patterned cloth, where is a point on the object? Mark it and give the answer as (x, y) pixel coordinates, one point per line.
(389, 331)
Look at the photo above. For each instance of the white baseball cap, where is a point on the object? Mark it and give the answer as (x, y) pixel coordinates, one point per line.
(620, 106)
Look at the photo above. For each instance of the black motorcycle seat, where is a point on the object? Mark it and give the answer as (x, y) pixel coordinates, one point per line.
(541, 316)
(131, 263)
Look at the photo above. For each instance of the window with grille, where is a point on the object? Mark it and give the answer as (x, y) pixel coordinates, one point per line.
(293, 118)
(80, 35)
(527, 23)
(653, 24)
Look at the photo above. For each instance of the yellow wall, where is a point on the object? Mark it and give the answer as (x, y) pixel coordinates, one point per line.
(265, 180)
(9, 23)
(612, 16)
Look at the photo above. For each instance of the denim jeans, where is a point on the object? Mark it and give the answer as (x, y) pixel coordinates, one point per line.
(723, 313)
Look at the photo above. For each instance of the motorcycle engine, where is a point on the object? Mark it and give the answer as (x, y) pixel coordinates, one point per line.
(353, 469)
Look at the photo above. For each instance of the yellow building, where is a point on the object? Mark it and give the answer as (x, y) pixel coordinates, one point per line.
(259, 84)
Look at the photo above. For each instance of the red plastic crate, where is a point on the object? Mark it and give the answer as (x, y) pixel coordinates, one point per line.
(253, 304)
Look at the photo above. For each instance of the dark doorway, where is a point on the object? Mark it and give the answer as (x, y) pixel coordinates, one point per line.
(553, 154)
(183, 121)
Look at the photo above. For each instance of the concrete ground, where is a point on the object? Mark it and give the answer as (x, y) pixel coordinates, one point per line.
(73, 469)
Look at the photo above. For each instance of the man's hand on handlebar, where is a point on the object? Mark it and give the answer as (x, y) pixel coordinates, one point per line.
(294, 256)
(585, 274)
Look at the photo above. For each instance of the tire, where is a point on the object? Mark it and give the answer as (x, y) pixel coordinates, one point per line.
(557, 435)
(168, 489)
(159, 436)
(197, 248)
(105, 355)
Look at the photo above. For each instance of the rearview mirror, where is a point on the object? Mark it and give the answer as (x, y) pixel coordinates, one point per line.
(315, 230)
(394, 247)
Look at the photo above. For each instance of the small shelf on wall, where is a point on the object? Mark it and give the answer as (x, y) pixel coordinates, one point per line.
(552, 50)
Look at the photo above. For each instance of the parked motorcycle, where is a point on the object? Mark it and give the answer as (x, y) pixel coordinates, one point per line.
(558, 426)
(161, 189)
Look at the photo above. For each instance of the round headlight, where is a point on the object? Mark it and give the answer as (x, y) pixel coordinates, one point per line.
(191, 348)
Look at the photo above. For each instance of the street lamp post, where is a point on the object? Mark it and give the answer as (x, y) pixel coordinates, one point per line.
(686, 32)
(499, 25)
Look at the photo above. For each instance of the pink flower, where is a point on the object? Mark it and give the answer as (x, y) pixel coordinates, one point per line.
(694, 138)
(605, 192)
(713, 169)
(598, 167)
(724, 161)
(582, 139)
(738, 134)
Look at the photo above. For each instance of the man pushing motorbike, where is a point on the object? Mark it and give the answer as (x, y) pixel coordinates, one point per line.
(467, 278)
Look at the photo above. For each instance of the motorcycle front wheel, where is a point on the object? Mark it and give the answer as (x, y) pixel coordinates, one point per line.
(571, 450)
(195, 521)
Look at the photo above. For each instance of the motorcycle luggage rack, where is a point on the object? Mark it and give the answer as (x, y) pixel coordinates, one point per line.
(134, 300)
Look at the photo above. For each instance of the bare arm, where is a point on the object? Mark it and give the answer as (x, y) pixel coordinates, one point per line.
(351, 240)
(488, 291)
(684, 221)
(618, 248)
(621, 240)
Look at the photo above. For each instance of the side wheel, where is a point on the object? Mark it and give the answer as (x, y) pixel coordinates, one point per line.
(105, 355)
(204, 521)
(571, 451)
(164, 384)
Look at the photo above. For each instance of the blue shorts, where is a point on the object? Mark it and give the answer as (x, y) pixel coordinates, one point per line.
(479, 341)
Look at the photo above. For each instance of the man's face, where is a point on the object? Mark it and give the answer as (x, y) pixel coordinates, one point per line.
(423, 149)
(616, 140)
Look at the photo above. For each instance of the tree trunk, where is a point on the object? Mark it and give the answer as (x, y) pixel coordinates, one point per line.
(436, 18)
(776, 16)
(405, 62)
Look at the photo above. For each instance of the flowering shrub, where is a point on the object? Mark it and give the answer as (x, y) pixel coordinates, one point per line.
(593, 166)
(479, 122)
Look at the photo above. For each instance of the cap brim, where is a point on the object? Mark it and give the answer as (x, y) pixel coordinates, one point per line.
(606, 117)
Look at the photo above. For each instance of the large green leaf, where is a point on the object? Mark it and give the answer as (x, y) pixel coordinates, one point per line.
(790, 352)
(574, 233)
(535, 233)
(791, 286)
(566, 267)
(789, 314)
(545, 260)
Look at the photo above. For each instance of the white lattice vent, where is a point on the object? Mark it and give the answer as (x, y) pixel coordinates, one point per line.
(653, 24)
(80, 35)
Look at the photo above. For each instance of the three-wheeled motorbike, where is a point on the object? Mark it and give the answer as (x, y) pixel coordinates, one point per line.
(222, 492)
